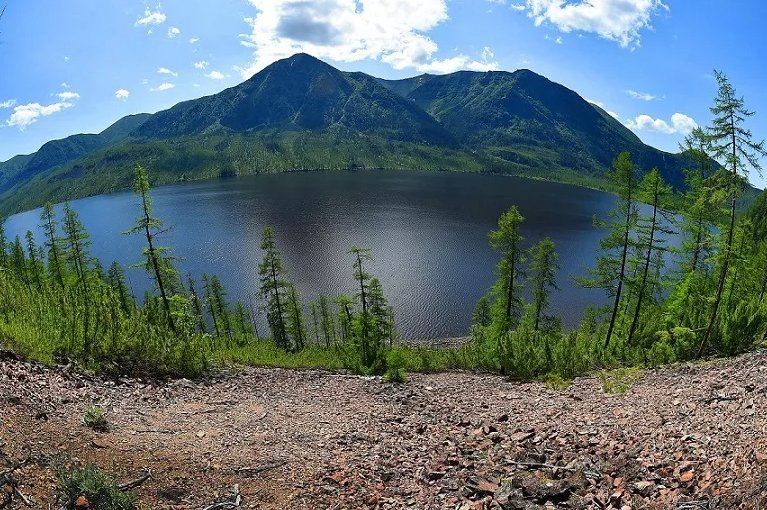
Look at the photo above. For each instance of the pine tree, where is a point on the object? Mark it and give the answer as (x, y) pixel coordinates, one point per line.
(77, 242)
(157, 263)
(481, 316)
(544, 264)
(218, 306)
(3, 245)
(273, 289)
(327, 321)
(345, 316)
(733, 145)
(382, 313)
(507, 240)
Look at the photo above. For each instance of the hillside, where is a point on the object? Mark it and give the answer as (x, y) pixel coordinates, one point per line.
(684, 437)
(301, 113)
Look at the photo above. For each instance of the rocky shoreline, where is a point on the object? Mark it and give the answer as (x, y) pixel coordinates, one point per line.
(687, 437)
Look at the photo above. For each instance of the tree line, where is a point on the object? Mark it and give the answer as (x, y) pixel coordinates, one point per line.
(57, 302)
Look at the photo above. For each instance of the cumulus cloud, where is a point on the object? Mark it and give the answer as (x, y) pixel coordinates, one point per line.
(173, 32)
(150, 17)
(394, 32)
(165, 70)
(679, 123)
(162, 87)
(193, 40)
(26, 114)
(215, 75)
(644, 96)
(617, 20)
(68, 95)
(122, 94)
(202, 64)
(8, 103)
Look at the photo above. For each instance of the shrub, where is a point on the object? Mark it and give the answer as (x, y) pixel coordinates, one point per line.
(100, 490)
(395, 363)
(95, 418)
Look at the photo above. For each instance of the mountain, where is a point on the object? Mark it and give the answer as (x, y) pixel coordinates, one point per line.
(301, 113)
(523, 117)
(20, 169)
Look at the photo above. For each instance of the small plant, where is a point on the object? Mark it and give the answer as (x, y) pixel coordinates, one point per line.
(95, 418)
(395, 367)
(619, 380)
(92, 488)
(557, 382)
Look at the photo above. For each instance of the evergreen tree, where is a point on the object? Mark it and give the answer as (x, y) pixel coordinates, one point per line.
(218, 306)
(732, 144)
(345, 316)
(76, 244)
(481, 316)
(382, 313)
(116, 280)
(157, 263)
(544, 264)
(507, 240)
(295, 319)
(3, 245)
(35, 265)
(654, 191)
(197, 305)
(52, 242)
(327, 321)
(610, 273)
(273, 289)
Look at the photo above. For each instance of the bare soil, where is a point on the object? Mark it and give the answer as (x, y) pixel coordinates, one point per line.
(689, 436)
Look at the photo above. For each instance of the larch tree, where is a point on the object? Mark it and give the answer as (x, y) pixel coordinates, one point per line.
(733, 145)
(52, 242)
(653, 190)
(507, 240)
(274, 288)
(157, 263)
(610, 273)
(544, 264)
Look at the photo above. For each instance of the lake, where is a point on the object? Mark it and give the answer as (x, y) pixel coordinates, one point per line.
(427, 232)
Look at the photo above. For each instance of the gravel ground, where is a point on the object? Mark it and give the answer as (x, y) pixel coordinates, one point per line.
(687, 437)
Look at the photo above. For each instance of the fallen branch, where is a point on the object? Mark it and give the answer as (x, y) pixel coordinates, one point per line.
(24, 499)
(718, 398)
(260, 469)
(137, 482)
(539, 465)
(232, 501)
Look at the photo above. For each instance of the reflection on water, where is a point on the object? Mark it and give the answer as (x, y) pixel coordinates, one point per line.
(427, 231)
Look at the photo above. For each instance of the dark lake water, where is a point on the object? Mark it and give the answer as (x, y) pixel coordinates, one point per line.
(427, 231)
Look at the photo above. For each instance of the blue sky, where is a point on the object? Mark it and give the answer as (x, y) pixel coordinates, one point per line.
(77, 66)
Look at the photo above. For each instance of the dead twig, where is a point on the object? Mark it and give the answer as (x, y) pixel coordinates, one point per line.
(24, 499)
(233, 501)
(718, 398)
(260, 469)
(539, 465)
(137, 482)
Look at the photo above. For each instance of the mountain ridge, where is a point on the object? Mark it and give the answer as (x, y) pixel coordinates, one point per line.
(301, 113)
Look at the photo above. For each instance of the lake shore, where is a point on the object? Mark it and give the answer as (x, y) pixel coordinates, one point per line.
(313, 439)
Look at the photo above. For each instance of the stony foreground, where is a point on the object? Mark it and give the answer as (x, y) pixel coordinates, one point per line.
(684, 437)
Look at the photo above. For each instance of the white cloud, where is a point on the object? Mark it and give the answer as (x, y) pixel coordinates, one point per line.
(122, 94)
(151, 17)
(68, 95)
(617, 20)
(26, 114)
(215, 75)
(394, 32)
(8, 103)
(64, 85)
(644, 96)
(518, 7)
(66, 58)
(165, 70)
(202, 64)
(193, 40)
(679, 123)
(173, 32)
(163, 86)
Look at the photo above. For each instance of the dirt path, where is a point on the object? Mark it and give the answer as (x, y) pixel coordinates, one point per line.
(683, 437)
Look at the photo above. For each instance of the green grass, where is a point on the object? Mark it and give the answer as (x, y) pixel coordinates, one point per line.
(95, 418)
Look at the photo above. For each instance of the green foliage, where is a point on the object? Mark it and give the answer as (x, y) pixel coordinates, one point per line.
(395, 367)
(95, 418)
(619, 380)
(99, 489)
